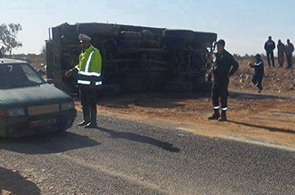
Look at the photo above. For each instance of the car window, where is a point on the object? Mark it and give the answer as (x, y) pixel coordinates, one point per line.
(31, 74)
(18, 75)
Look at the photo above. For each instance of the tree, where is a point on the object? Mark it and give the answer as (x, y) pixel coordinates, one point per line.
(43, 50)
(8, 37)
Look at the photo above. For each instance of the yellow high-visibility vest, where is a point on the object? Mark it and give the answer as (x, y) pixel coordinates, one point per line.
(89, 67)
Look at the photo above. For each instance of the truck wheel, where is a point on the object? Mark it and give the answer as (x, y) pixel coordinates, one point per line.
(185, 35)
(178, 38)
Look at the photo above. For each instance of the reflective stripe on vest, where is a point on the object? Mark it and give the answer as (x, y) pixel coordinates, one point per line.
(89, 73)
(258, 64)
(88, 61)
(81, 82)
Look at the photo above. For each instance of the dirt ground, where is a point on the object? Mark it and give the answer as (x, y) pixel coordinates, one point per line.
(267, 118)
(252, 117)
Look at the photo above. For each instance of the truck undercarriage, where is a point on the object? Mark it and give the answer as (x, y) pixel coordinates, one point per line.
(134, 58)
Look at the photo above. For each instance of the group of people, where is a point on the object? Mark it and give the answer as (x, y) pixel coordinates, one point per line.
(284, 51)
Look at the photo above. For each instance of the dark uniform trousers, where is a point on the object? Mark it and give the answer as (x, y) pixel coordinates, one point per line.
(220, 92)
(289, 59)
(257, 80)
(88, 102)
(270, 58)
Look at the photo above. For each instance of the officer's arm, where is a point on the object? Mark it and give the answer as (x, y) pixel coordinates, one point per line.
(235, 66)
(78, 66)
(74, 70)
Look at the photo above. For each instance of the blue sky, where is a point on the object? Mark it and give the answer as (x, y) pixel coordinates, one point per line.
(245, 25)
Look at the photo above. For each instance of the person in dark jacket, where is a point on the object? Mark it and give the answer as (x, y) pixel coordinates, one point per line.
(259, 72)
(269, 47)
(224, 67)
(281, 53)
(289, 53)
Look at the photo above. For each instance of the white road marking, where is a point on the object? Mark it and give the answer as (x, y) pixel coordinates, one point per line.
(259, 143)
(245, 140)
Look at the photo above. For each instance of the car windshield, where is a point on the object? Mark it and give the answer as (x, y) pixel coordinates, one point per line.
(18, 75)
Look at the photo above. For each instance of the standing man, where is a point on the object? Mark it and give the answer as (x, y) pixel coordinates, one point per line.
(281, 53)
(259, 72)
(269, 48)
(89, 78)
(289, 53)
(224, 67)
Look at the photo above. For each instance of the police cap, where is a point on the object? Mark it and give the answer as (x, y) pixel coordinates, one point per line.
(84, 38)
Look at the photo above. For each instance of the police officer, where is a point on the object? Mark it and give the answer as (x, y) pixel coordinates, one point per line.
(89, 79)
(269, 47)
(259, 72)
(224, 67)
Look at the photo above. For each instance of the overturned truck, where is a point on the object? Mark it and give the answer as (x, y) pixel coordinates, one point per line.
(134, 58)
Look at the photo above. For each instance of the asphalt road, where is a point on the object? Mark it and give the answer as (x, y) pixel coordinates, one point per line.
(124, 157)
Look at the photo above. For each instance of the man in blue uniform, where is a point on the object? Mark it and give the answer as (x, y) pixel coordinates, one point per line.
(269, 47)
(224, 67)
(259, 72)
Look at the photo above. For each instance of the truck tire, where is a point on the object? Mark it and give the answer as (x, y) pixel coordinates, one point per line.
(205, 39)
(130, 35)
(178, 38)
(179, 34)
(130, 44)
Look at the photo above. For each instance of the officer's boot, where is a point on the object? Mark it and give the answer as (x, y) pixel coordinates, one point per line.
(92, 123)
(86, 117)
(215, 116)
(223, 116)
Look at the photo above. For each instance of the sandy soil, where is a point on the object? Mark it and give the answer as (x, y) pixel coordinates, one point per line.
(263, 118)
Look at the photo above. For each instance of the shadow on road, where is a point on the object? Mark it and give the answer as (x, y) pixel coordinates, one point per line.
(253, 96)
(140, 138)
(16, 184)
(272, 129)
(47, 143)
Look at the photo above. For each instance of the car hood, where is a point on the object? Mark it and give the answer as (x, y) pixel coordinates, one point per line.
(32, 96)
